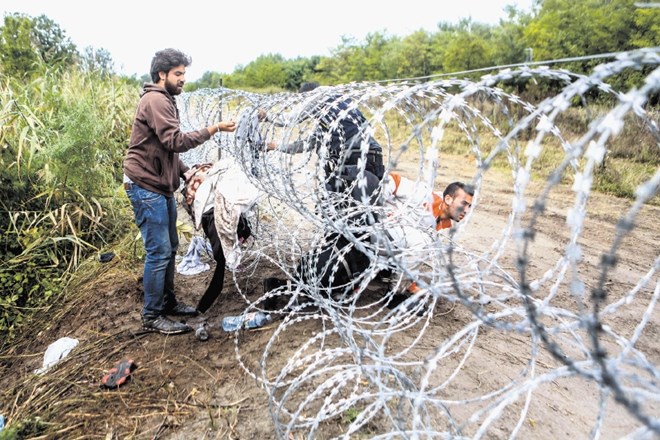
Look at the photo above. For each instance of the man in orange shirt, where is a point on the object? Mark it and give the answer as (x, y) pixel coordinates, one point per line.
(407, 196)
(454, 204)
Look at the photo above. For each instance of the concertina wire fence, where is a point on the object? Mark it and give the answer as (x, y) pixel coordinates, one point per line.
(401, 372)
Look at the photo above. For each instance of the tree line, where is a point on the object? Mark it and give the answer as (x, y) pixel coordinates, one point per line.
(553, 29)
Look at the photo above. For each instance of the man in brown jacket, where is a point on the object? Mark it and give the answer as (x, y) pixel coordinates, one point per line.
(152, 170)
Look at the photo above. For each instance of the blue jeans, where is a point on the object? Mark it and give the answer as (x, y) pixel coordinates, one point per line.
(155, 215)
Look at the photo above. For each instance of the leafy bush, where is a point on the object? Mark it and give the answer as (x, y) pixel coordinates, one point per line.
(65, 135)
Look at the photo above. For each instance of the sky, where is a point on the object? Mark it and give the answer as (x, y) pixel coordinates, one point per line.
(221, 35)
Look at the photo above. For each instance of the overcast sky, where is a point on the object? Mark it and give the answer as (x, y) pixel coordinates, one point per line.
(220, 35)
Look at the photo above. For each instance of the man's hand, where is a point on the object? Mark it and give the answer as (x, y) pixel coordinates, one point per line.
(226, 126)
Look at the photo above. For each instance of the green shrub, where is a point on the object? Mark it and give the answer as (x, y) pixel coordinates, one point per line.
(64, 135)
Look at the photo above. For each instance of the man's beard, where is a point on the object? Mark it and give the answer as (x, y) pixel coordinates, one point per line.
(172, 88)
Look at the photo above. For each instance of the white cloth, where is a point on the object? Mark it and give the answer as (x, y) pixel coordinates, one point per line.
(410, 245)
(408, 202)
(191, 263)
(229, 191)
(204, 195)
(234, 195)
(57, 351)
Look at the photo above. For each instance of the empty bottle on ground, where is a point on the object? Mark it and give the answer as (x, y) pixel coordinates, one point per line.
(247, 321)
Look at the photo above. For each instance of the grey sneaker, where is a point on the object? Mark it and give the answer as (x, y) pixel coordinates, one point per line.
(182, 309)
(163, 324)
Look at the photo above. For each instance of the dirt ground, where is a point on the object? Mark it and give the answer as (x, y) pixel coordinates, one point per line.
(184, 388)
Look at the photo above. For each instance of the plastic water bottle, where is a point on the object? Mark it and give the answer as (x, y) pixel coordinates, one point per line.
(232, 323)
(248, 321)
(259, 320)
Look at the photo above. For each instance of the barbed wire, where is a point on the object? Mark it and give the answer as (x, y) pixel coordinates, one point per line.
(411, 371)
(544, 63)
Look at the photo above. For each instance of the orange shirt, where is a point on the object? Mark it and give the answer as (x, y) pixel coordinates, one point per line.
(439, 208)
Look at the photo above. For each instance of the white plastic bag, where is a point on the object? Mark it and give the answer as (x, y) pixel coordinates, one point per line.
(57, 351)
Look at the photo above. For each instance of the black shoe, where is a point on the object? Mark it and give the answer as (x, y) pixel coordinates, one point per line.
(182, 309)
(407, 302)
(396, 300)
(163, 324)
(273, 283)
(270, 284)
(385, 276)
(413, 304)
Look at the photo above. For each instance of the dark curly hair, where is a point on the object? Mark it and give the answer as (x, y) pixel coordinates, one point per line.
(453, 187)
(165, 60)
